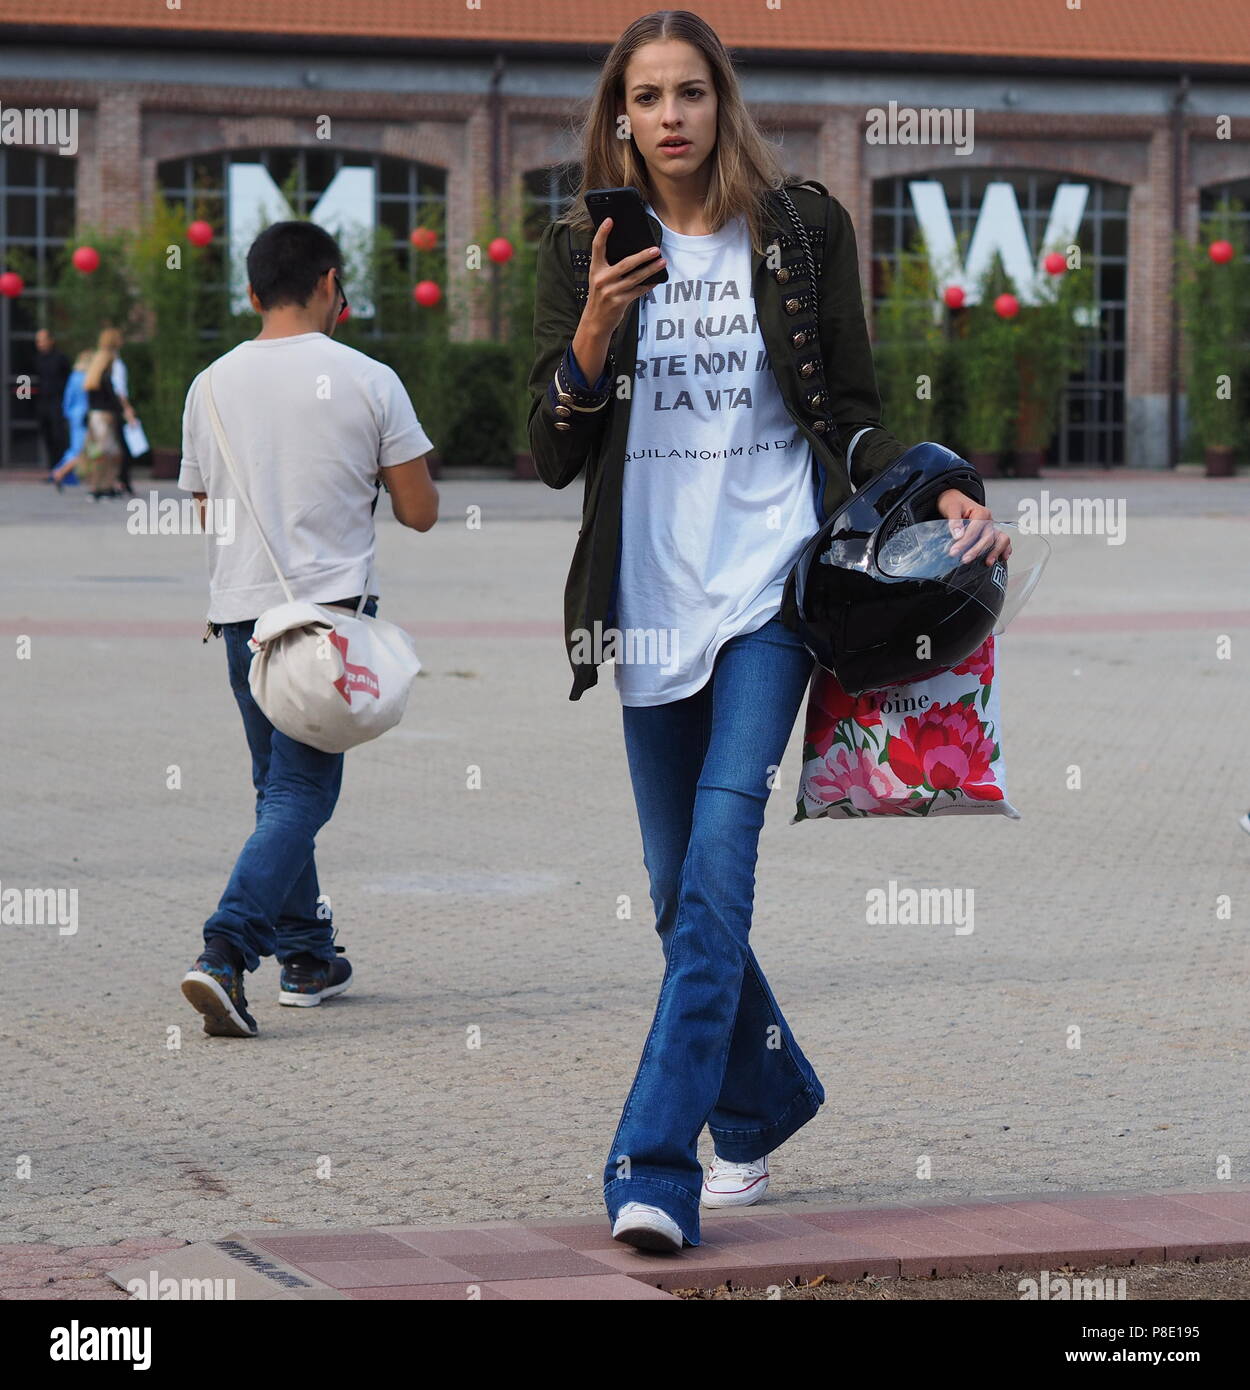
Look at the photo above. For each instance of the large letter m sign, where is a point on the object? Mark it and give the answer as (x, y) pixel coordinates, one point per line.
(345, 210)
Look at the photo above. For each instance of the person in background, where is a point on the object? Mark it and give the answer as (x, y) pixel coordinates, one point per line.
(312, 466)
(74, 409)
(103, 449)
(52, 371)
(125, 413)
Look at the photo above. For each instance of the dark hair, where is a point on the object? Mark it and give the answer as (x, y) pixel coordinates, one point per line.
(286, 261)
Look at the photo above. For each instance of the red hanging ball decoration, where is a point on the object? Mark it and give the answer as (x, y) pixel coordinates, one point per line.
(423, 238)
(427, 293)
(1221, 252)
(1056, 263)
(500, 250)
(86, 259)
(954, 296)
(1006, 306)
(11, 284)
(199, 233)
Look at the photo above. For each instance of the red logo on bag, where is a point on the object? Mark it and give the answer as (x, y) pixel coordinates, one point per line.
(354, 678)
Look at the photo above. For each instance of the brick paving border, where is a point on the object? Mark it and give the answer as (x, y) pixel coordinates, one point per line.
(769, 1244)
(44, 1271)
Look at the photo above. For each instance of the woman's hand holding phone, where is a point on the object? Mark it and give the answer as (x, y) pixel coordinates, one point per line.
(612, 289)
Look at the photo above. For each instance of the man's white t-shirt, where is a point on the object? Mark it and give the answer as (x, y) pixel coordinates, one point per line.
(309, 422)
(718, 494)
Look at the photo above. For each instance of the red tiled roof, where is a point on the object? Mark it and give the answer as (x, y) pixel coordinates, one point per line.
(1149, 31)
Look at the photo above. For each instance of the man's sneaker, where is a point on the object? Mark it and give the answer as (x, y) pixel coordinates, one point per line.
(734, 1184)
(647, 1228)
(214, 986)
(307, 980)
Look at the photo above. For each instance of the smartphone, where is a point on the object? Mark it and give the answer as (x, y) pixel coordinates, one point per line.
(631, 232)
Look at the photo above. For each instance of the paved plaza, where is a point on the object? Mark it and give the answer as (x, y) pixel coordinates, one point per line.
(475, 1071)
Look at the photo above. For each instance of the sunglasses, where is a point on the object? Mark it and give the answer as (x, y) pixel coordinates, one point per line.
(338, 284)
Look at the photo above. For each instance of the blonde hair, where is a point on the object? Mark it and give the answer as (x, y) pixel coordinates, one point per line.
(745, 164)
(108, 345)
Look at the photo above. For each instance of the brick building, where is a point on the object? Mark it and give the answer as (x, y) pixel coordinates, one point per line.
(1127, 116)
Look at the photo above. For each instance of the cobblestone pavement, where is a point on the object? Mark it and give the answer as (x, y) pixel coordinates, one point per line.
(497, 909)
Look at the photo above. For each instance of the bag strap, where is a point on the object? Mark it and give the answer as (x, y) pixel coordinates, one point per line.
(226, 453)
(813, 270)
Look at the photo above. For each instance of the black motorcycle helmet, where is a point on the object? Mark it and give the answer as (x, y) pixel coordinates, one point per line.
(877, 578)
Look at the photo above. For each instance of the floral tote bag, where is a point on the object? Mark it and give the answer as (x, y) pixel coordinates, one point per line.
(930, 748)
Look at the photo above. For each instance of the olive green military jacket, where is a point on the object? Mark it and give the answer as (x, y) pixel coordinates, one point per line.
(830, 408)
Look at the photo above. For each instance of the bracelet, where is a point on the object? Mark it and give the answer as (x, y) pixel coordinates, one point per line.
(568, 396)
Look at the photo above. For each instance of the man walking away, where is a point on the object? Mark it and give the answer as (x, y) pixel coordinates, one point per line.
(52, 369)
(316, 428)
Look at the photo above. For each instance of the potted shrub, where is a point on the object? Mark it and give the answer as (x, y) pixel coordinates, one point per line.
(909, 346)
(168, 274)
(411, 339)
(1048, 338)
(1213, 288)
(503, 294)
(983, 354)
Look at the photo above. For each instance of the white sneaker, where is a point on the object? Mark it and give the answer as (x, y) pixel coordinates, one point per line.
(647, 1228)
(734, 1184)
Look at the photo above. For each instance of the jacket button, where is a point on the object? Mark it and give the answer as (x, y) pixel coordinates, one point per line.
(799, 338)
(782, 273)
(816, 399)
(563, 410)
(563, 425)
(807, 368)
(793, 305)
(819, 426)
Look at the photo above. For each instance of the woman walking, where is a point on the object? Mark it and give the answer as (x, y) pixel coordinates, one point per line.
(713, 446)
(103, 448)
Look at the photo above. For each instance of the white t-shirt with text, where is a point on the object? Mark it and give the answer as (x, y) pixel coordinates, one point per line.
(309, 422)
(718, 495)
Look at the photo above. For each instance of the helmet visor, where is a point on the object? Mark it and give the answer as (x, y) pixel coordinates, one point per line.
(927, 551)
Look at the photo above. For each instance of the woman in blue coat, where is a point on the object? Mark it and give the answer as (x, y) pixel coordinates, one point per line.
(74, 408)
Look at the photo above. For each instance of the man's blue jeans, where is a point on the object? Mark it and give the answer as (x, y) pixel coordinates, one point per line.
(719, 1051)
(270, 906)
